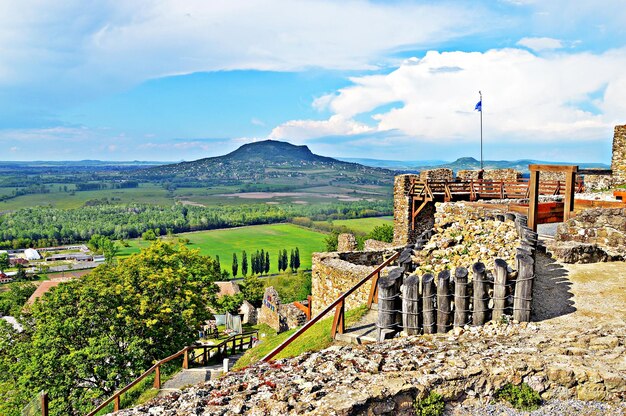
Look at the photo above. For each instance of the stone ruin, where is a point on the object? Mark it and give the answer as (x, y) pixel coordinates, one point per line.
(278, 316)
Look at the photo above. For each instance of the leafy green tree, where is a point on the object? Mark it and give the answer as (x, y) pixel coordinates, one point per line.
(244, 263)
(292, 261)
(4, 261)
(267, 262)
(235, 265)
(253, 290)
(12, 301)
(382, 232)
(331, 241)
(261, 268)
(20, 276)
(123, 318)
(229, 303)
(149, 235)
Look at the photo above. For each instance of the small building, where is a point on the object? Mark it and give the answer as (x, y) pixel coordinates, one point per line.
(5, 278)
(17, 260)
(31, 254)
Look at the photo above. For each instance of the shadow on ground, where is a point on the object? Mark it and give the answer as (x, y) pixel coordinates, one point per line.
(552, 295)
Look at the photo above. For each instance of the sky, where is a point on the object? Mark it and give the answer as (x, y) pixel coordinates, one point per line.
(171, 80)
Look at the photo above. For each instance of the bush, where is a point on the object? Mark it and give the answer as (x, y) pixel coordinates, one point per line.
(521, 397)
(382, 233)
(432, 405)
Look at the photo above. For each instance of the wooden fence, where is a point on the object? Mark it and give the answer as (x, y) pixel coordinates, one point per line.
(428, 304)
(339, 306)
(193, 354)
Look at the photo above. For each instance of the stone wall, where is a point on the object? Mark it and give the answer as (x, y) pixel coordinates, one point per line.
(439, 174)
(346, 242)
(402, 232)
(598, 182)
(551, 176)
(597, 234)
(334, 273)
(508, 174)
(270, 308)
(375, 245)
(618, 163)
(294, 317)
(465, 234)
(466, 175)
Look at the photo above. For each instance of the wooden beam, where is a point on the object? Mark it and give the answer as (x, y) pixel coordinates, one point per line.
(553, 168)
(533, 198)
(570, 180)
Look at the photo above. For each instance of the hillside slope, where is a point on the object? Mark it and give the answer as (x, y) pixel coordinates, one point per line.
(271, 162)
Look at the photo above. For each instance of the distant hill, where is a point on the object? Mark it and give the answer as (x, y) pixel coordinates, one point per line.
(269, 162)
(393, 164)
(520, 165)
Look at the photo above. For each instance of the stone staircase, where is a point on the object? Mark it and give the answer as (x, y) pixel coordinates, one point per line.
(364, 331)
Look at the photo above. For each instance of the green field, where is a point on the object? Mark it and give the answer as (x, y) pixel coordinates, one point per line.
(364, 225)
(270, 238)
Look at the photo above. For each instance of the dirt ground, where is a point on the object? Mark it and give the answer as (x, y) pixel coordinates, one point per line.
(579, 295)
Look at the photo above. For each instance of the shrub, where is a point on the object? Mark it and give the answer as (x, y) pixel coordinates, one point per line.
(521, 397)
(432, 405)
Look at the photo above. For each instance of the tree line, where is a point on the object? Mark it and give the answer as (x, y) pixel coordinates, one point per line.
(260, 262)
(46, 226)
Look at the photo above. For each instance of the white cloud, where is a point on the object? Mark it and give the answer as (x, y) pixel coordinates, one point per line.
(111, 43)
(540, 44)
(301, 130)
(526, 98)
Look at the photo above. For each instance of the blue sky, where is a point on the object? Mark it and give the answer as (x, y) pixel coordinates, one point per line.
(180, 80)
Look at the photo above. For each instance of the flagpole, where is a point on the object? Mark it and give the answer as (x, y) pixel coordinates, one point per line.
(481, 130)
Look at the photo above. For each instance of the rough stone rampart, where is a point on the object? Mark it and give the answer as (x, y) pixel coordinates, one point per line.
(507, 174)
(439, 174)
(618, 162)
(346, 242)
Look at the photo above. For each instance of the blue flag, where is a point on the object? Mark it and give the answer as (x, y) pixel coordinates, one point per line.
(479, 106)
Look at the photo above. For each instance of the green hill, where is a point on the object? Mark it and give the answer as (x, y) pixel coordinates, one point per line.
(269, 162)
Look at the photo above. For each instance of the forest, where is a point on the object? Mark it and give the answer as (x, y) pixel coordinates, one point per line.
(46, 226)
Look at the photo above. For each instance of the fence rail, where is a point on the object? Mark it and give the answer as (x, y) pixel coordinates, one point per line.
(189, 356)
(339, 306)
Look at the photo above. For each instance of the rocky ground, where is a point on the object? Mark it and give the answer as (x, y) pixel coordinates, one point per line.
(574, 355)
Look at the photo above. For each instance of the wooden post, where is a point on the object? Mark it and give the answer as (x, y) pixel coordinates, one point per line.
(443, 302)
(499, 288)
(339, 321)
(116, 403)
(568, 208)
(523, 288)
(405, 260)
(533, 199)
(388, 298)
(157, 377)
(205, 356)
(481, 300)
(186, 359)
(44, 404)
(309, 299)
(411, 305)
(428, 302)
(373, 297)
(461, 297)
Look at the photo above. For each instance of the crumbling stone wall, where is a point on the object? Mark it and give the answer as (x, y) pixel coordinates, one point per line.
(598, 182)
(508, 174)
(334, 273)
(402, 232)
(598, 234)
(618, 162)
(375, 245)
(439, 174)
(346, 242)
(466, 174)
(294, 317)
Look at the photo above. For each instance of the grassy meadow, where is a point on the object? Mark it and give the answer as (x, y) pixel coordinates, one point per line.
(225, 242)
(364, 225)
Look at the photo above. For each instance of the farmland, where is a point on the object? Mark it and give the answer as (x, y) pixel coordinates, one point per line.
(225, 242)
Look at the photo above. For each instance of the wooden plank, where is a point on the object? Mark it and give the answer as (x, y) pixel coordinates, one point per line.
(411, 305)
(523, 288)
(428, 302)
(444, 307)
(339, 325)
(499, 288)
(481, 297)
(461, 297)
(553, 168)
(533, 199)
(570, 179)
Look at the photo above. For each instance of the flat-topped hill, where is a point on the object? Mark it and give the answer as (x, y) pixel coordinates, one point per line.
(273, 162)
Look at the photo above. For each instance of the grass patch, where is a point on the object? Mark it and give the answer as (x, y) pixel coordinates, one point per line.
(315, 339)
(225, 242)
(290, 287)
(521, 397)
(364, 225)
(431, 405)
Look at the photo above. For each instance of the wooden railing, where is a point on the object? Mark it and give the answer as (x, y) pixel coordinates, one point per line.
(189, 356)
(305, 308)
(485, 189)
(339, 306)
